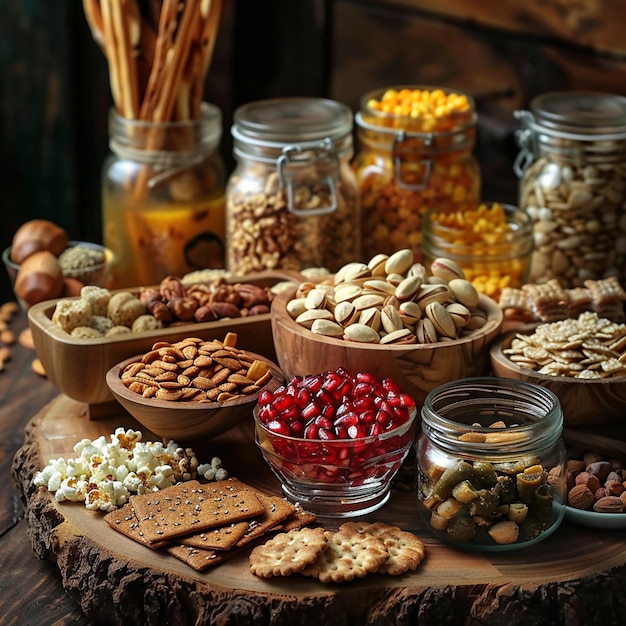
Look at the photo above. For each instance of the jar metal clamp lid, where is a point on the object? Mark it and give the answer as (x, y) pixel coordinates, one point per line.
(294, 132)
(557, 118)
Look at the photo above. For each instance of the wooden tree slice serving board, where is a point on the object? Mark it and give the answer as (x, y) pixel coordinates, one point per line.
(577, 575)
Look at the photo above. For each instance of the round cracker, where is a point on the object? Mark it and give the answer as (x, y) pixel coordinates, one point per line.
(287, 553)
(348, 555)
(406, 551)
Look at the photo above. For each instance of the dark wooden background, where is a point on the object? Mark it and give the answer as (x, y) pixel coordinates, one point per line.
(54, 93)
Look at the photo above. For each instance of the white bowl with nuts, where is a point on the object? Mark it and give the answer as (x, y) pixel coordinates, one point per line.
(391, 317)
(192, 389)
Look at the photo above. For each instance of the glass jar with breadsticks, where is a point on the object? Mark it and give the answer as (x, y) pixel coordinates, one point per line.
(163, 183)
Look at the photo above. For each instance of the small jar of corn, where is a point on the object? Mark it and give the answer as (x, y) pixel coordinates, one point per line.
(491, 242)
(415, 152)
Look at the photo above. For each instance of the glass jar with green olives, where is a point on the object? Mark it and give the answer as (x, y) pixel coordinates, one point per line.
(491, 463)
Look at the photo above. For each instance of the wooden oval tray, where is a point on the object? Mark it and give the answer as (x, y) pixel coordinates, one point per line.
(121, 582)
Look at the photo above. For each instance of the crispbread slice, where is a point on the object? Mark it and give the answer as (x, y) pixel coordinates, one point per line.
(190, 507)
(406, 551)
(348, 555)
(125, 521)
(287, 553)
(197, 558)
(277, 510)
(222, 538)
(298, 519)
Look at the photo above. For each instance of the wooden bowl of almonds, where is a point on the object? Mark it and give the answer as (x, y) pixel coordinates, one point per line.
(582, 360)
(192, 389)
(391, 317)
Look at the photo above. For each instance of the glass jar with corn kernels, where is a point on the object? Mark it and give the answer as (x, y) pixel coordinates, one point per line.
(492, 243)
(292, 201)
(415, 153)
(491, 463)
(572, 170)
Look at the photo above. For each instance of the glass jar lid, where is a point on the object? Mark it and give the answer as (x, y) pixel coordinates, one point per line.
(278, 122)
(581, 113)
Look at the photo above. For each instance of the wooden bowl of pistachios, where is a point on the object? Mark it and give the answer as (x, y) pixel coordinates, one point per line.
(391, 317)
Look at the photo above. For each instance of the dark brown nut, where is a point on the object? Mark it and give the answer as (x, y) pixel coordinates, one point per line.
(609, 504)
(600, 493)
(215, 311)
(224, 292)
(183, 308)
(162, 312)
(149, 295)
(580, 497)
(252, 295)
(205, 314)
(585, 478)
(172, 287)
(259, 309)
(575, 466)
(601, 469)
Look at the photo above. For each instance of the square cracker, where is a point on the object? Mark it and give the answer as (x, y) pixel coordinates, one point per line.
(190, 507)
(222, 538)
(277, 510)
(125, 521)
(197, 558)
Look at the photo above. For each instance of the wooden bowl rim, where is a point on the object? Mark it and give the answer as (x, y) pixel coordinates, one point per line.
(504, 340)
(40, 315)
(495, 317)
(118, 389)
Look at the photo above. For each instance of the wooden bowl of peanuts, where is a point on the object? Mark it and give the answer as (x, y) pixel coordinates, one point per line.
(388, 318)
(192, 389)
(582, 360)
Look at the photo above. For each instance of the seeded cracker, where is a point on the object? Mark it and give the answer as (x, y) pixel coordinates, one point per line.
(125, 521)
(277, 510)
(197, 558)
(191, 507)
(222, 538)
(288, 553)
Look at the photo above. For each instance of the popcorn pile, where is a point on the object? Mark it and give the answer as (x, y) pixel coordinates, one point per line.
(103, 475)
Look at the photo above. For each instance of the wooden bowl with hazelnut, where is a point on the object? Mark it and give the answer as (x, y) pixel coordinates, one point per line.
(389, 318)
(76, 359)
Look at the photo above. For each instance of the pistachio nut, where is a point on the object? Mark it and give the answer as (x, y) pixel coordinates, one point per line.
(361, 334)
(425, 331)
(307, 318)
(345, 313)
(407, 289)
(379, 286)
(464, 292)
(459, 313)
(446, 269)
(390, 319)
(368, 300)
(400, 336)
(377, 264)
(370, 317)
(441, 319)
(327, 328)
(346, 293)
(399, 262)
(295, 307)
(315, 299)
(432, 293)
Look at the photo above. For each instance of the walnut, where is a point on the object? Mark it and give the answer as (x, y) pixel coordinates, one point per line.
(184, 308)
(162, 312)
(172, 287)
(215, 311)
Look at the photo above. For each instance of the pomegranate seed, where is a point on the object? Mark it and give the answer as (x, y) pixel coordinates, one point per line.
(311, 431)
(348, 419)
(266, 397)
(384, 418)
(365, 403)
(324, 433)
(278, 427)
(303, 397)
(310, 411)
(324, 396)
(323, 422)
(390, 385)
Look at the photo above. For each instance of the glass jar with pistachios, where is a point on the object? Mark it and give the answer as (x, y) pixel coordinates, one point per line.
(572, 170)
(491, 463)
(415, 153)
(292, 201)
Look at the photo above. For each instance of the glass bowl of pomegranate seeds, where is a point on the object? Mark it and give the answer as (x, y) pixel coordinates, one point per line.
(335, 440)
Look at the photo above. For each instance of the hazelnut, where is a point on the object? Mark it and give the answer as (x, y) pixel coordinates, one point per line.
(580, 497)
(586, 478)
(609, 504)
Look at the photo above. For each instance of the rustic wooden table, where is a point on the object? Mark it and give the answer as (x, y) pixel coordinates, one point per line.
(577, 576)
(31, 590)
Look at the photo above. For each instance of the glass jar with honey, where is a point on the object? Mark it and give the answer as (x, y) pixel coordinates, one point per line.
(163, 198)
(415, 153)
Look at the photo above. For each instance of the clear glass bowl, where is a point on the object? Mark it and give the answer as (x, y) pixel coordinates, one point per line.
(339, 478)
